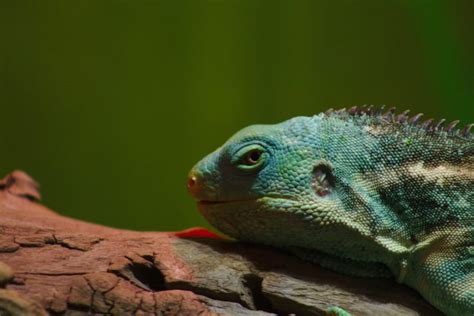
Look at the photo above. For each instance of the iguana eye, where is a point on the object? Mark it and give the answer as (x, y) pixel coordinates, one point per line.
(253, 157)
(249, 158)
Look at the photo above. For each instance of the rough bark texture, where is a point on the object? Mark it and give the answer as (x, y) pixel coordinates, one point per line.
(50, 264)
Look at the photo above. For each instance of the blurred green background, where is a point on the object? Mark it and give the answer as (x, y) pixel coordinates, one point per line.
(108, 104)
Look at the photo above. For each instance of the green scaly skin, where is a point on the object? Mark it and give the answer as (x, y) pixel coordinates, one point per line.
(358, 191)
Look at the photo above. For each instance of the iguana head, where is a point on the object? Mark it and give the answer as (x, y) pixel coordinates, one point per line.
(262, 183)
(350, 175)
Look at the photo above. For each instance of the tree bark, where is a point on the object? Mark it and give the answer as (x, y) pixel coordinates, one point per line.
(50, 264)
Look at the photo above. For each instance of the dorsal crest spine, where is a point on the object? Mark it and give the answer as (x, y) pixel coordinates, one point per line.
(390, 117)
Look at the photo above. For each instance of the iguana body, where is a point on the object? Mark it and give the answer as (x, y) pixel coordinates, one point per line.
(358, 191)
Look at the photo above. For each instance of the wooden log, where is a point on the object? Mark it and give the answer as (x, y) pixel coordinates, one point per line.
(50, 264)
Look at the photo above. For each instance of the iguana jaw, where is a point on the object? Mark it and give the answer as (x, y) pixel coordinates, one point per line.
(266, 220)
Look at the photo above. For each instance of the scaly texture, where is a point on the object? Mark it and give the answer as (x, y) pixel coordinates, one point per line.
(359, 191)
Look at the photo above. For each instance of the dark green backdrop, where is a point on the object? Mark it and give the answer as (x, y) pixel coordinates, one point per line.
(109, 103)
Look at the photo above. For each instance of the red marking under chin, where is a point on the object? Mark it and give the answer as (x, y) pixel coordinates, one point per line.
(197, 233)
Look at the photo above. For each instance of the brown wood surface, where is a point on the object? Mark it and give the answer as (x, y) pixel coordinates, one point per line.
(50, 264)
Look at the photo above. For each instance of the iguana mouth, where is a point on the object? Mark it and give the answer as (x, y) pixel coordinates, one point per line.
(253, 200)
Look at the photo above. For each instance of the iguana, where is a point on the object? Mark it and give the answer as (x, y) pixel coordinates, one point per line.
(363, 191)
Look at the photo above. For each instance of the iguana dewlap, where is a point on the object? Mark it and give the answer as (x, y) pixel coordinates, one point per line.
(359, 191)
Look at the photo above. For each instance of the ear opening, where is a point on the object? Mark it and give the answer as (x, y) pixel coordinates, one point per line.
(323, 179)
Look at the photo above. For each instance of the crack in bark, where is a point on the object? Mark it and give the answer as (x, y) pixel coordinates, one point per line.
(112, 302)
(144, 275)
(210, 293)
(81, 243)
(253, 282)
(139, 305)
(91, 304)
(155, 306)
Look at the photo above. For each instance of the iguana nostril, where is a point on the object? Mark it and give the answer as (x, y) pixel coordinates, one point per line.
(197, 186)
(191, 182)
